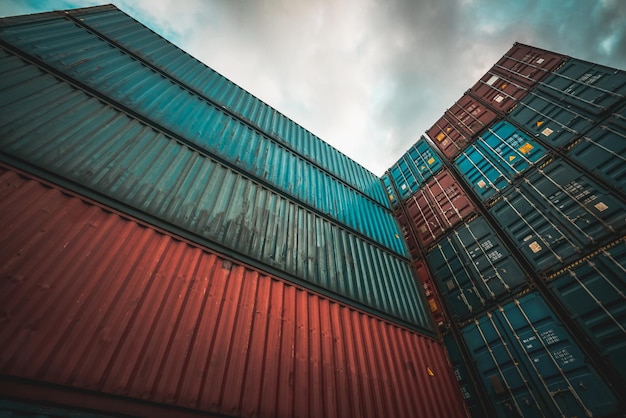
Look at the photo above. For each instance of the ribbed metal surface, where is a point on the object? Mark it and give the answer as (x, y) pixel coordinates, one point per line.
(456, 128)
(473, 269)
(414, 168)
(497, 157)
(431, 293)
(593, 292)
(86, 57)
(530, 365)
(558, 214)
(92, 300)
(62, 130)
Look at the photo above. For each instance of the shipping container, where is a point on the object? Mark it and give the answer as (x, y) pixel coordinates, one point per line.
(431, 293)
(558, 214)
(437, 207)
(593, 292)
(468, 388)
(530, 365)
(473, 269)
(517, 72)
(408, 234)
(414, 168)
(391, 194)
(98, 301)
(20, 409)
(126, 32)
(497, 158)
(570, 102)
(78, 139)
(602, 151)
(459, 124)
(78, 53)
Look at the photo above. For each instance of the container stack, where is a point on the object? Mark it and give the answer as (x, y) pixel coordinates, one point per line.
(514, 209)
(171, 245)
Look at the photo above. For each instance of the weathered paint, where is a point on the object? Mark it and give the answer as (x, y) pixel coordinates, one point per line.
(95, 300)
(473, 269)
(85, 57)
(431, 293)
(593, 292)
(437, 207)
(414, 168)
(459, 124)
(558, 214)
(57, 128)
(531, 366)
(514, 75)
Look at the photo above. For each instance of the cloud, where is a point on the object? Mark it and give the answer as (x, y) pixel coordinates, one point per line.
(369, 76)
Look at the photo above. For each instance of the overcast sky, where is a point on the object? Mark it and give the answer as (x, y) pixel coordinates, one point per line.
(368, 76)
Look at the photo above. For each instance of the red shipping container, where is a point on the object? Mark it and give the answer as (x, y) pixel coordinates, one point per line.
(409, 237)
(438, 207)
(520, 69)
(457, 127)
(97, 301)
(432, 296)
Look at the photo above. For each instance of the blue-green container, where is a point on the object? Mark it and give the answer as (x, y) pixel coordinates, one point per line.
(415, 167)
(66, 135)
(569, 102)
(497, 157)
(530, 365)
(602, 150)
(593, 290)
(473, 269)
(391, 194)
(558, 214)
(200, 112)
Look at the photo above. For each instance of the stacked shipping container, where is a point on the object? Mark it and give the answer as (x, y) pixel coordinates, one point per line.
(526, 249)
(172, 242)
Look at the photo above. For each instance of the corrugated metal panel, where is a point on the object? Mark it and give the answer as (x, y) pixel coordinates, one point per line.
(415, 167)
(169, 58)
(62, 130)
(497, 158)
(592, 290)
(473, 269)
(409, 237)
(96, 301)
(466, 118)
(531, 366)
(510, 79)
(570, 102)
(557, 214)
(603, 150)
(437, 207)
(391, 194)
(117, 75)
(432, 295)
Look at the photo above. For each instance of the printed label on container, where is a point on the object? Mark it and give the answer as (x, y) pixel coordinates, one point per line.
(526, 148)
(540, 61)
(403, 187)
(440, 137)
(498, 98)
(431, 160)
(481, 184)
(492, 80)
(534, 247)
(601, 206)
(547, 132)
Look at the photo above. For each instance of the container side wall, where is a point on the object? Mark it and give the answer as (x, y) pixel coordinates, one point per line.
(97, 301)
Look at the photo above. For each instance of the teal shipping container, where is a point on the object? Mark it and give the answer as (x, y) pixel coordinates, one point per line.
(558, 214)
(530, 365)
(473, 269)
(64, 134)
(593, 292)
(414, 168)
(127, 81)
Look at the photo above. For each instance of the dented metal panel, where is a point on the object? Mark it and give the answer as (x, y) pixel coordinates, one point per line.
(61, 130)
(497, 158)
(557, 214)
(473, 269)
(511, 78)
(592, 291)
(90, 59)
(437, 207)
(415, 167)
(459, 124)
(602, 150)
(94, 300)
(531, 366)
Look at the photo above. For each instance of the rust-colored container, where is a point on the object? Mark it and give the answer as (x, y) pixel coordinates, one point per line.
(409, 237)
(459, 124)
(432, 296)
(437, 207)
(94, 300)
(514, 75)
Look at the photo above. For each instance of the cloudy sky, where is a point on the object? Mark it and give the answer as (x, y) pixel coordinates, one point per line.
(368, 76)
